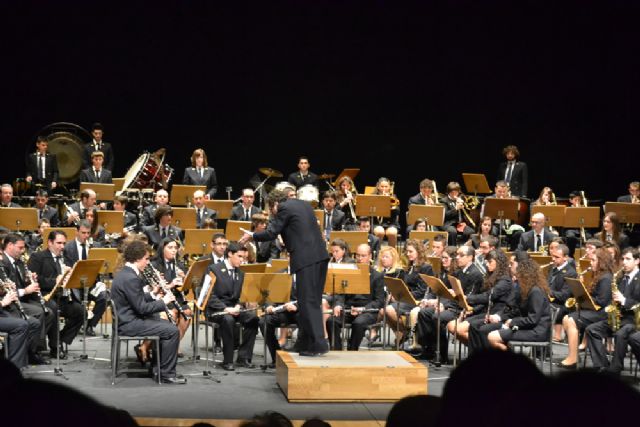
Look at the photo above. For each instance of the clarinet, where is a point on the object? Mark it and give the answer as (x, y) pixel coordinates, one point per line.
(489, 306)
(165, 286)
(5, 283)
(29, 280)
(147, 274)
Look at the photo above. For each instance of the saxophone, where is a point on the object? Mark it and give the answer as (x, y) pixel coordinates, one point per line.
(571, 302)
(613, 310)
(636, 315)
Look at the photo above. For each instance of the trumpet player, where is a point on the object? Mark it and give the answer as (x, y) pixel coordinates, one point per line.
(426, 196)
(538, 237)
(600, 291)
(626, 296)
(457, 219)
(558, 288)
(77, 211)
(346, 198)
(48, 264)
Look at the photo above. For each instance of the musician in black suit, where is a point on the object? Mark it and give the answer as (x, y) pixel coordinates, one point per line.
(136, 310)
(225, 298)
(42, 167)
(44, 210)
(130, 219)
(162, 228)
(536, 238)
(97, 144)
(295, 221)
(303, 176)
(627, 295)
(558, 287)
(245, 210)
(513, 171)
(334, 219)
(364, 224)
(49, 265)
(78, 210)
(148, 215)
(425, 196)
(633, 197)
(454, 215)
(265, 251)
(279, 316)
(96, 173)
(363, 308)
(200, 173)
(28, 292)
(74, 251)
(203, 213)
(612, 231)
(21, 332)
(7, 197)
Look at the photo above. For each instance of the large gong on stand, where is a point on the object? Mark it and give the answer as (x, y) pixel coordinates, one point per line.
(66, 141)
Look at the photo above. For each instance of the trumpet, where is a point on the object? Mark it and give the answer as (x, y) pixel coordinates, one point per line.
(71, 212)
(351, 201)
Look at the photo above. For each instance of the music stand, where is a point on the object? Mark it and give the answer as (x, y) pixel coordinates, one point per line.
(181, 194)
(351, 279)
(108, 255)
(351, 173)
(19, 218)
(353, 238)
(319, 213)
(222, 207)
(118, 183)
(112, 221)
(254, 268)
(582, 218)
(427, 235)
(579, 292)
(84, 273)
(441, 291)
(541, 259)
(476, 183)
(200, 306)
(184, 218)
(104, 192)
(436, 263)
(69, 231)
(628, 213)
(461, 299)
(233, 231)
(501, 209)
(554, 214)
(277, 265)
(433, 214)
(373, 205)
(196, 241)
(400, 292)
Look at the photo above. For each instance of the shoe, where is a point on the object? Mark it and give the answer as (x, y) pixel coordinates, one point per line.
(141, 357)
(180, 355)
(90, 332)
(271, 366)
(53, 354)
(244, 364)
(174, 380)
(217, 349)
(571, 367)
(308, 353)
(36, 359)
(228, 367)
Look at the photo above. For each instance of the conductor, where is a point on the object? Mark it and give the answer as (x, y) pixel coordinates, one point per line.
(295, 221)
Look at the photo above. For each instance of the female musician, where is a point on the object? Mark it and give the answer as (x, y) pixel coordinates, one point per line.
(97, 236)
(612, 231)
(420, 224)
(389, 264)
(616, 254)
(340, 254)
(600, 291)
(533, 324)
(485, 228)
(200, 173)
(346, 198)
(545, 198)
(417, 264)
(497, 289)
(387, 226)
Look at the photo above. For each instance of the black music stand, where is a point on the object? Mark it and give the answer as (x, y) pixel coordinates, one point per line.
(191, 281)
(200, 306)
(352, 279)
(461, 299)
(400, 292)
(582, 218)
(501, 209)
(441, 291)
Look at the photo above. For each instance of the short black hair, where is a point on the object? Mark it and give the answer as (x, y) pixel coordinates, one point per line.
(13, 238)
(135, 251)
(234, 247)
(96, 126)
(55, 233)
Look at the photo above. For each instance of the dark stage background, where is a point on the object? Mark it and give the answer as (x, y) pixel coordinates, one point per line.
(425, 89)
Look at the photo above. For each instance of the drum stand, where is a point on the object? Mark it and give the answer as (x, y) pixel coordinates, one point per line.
(259, 189)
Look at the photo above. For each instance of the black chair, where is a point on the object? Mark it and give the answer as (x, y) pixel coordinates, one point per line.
(545, 346)
(117, 339)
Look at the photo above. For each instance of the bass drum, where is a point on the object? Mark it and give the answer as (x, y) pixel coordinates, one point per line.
(310, 194)
(66, 141)
(148, 171)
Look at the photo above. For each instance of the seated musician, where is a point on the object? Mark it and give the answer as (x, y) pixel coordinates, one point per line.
(487, 244)
(626, 296)
(173, 270)
(42, 166)
(558, 287)
(34, 240)
(615, 253)
(438, 245)
(426, 195)
(277, 316)
(546, 198)
(245, 210)
(97, 235)
(23, 333)
(44, 210)
(364, 224)
(303, 176)
(632, 230)
(203, 213)
(513, 171)
(572, 235)
(265, 251)
(49, 265)
(538, 238)
(136, 311)
(456, 218)
(149, 213)
(533, 322)
(387, 226)
(96, 173)
(346, 198)
(200, 173)
(340, 254)
(130, 219)
(334, 219)
(600, 291)
(163, 228)
(6, 197)
(77, 211)
(492, 298)
(484, 230)
(224, 308)
(612, 231)
(359, 310)
(506, 226)
(415, 253)
(74, 251)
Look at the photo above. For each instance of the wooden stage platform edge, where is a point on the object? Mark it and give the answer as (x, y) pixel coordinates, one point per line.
(188, 422)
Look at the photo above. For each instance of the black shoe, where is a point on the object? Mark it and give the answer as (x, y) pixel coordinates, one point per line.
(571, 367)
(244, 364)
(307, 353)
(180, 355)
(217, 349)
(271, 366)
(174, 380)
(53, 354)
(228, 367)
(90, 332)
(36, 359)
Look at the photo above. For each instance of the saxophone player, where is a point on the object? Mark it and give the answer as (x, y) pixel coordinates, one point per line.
(627, 295)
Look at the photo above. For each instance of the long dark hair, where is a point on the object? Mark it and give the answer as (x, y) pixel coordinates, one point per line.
(529, 275)
(501, 271)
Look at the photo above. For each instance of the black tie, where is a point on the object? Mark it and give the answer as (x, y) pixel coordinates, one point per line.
(509, 171)
(625, 282)
(164, 233)
(57, 262)
(220, 261)
(83, 255)
(234, 274)
(538, 242)
(40, 161)
(246, 214)
(41, 213)
(97, 175)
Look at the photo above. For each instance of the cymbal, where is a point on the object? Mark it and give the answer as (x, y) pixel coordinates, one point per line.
(326, 176)
(270, 172)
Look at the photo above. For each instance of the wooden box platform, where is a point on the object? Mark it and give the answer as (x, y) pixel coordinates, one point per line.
(350, 376)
